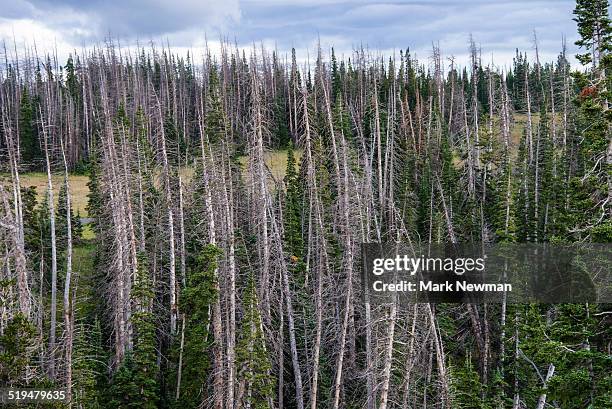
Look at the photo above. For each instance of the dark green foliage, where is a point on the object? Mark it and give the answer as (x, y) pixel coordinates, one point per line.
(16, 350)
(72, 81)
(467, 389)
(123, 392)
(195, 300)
(582, 374)
(88, 367)
(294, 244)
(144, 355)
(95, 199)
(216, 121)
(593, 27)
(594, 119)
(251, 354)
(31, 221)
(28, 133)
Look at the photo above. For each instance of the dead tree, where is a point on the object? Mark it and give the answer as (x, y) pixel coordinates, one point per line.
(51, 204)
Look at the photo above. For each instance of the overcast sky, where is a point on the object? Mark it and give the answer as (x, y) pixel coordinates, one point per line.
(498, 26)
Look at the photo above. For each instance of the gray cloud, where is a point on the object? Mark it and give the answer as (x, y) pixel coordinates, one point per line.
(128, 19)
(499, 26)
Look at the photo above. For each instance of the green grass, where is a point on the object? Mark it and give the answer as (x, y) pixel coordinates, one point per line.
(78, 188)
(84, 276)
(88, 233)
(82, 257)
(276, 162)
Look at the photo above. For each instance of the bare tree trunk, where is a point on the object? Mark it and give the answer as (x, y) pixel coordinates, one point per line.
(299, 390)
(231, 258)
(51, 204)
(19, 236)
(410, 357)
(542, 398)
(384, 394)
(67, 305)
(320, 241)
(216, 309)
(172, 251)
(516, 402)
(452, 95)
(440, 359)
(180, 362)
(281, 354)
(348, 265)
(259, 177)
(182, 233)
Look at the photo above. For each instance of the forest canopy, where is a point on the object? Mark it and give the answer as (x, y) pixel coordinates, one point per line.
(182, 233)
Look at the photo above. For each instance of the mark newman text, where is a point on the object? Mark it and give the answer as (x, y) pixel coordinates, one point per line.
(410, 286)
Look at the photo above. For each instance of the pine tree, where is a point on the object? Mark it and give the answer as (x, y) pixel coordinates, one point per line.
(88, 367)
(95, 198)
(594, 30)
(28, 133)
(293, 208)
(251, 354)
(61, 222)
(195, 302)
(17, 344)
(31, 224)
(467, 389)
(122, 391)
(144, 355)
(595, 118)
(216, 121)
(72, 81)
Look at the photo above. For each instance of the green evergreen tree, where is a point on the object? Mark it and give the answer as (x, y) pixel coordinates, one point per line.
(61, 226)
(72, 81)
(593, 27)
(95, 196)
(123, 391)
(466, 386)
(594, 118)
(294, 244)
(31, 225)
(251, 354)
(195, 301)
(217, 128)
(28, 133)
(88, 367)
(144, 355)
(16, 348)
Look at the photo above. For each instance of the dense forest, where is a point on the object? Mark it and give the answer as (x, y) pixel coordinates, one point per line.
(202, 274)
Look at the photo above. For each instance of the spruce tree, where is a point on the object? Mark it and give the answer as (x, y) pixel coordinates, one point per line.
(88, 367)
(28, 133)
(595, 119)
(293, 208)
(467, 389)
(251, 354)
(17, 344)
(195, 301)
(594, 29)
(144, 355)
